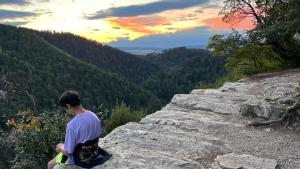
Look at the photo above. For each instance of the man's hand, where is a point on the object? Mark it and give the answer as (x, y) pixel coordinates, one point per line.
(59, 148)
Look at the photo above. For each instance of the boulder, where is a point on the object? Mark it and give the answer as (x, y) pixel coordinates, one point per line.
(260, 108)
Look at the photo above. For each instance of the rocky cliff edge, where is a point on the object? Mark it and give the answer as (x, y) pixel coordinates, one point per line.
(206, 129)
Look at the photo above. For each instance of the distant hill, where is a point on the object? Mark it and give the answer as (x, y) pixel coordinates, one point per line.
(174, 56)
(183, 69)
(34, 73)
(105, 57)
(141, 50)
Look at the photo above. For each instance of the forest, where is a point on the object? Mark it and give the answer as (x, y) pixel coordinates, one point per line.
(37, 66)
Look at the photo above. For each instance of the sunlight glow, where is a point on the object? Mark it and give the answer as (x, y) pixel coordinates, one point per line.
(71, 16)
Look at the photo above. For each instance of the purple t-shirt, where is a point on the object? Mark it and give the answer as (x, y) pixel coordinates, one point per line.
(82, 128)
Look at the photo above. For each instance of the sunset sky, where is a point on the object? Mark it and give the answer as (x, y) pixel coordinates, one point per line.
(165, 23)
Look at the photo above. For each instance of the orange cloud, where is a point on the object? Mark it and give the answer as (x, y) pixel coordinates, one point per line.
(218, 23)
(141, 24)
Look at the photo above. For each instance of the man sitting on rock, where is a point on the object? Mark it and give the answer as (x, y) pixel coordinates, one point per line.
(82, 134)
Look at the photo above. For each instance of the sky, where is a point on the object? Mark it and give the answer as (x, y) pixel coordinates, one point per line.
(132, 23)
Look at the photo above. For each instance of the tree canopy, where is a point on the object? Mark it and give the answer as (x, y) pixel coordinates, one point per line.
(272, 44)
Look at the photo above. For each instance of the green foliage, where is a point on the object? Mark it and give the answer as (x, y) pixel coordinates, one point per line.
(243, 57)
(121, 114)
(221, 45)
(282, 22)
(182, 78)
(251, 59)
(36, 137)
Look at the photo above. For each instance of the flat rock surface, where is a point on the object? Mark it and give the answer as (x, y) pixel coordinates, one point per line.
(206, 129)
(234, 161)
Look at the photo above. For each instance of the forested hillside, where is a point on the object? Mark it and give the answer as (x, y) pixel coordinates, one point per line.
(174, 56)
(183, 71)
(35, 73)
(104, 57)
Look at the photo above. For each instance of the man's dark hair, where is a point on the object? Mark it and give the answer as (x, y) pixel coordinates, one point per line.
(70, 97)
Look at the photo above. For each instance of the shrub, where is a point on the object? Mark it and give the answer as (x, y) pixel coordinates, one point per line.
(121, 114)
(36, 138)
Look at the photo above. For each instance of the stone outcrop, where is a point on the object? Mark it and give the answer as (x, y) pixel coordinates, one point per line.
(206, 129)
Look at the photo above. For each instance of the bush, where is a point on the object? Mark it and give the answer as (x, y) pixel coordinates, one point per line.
(36, 138)
(121, 114)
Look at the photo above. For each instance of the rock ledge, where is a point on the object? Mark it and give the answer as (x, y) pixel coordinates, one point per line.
(206, 129)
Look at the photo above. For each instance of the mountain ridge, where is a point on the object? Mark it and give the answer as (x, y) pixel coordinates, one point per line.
(104, 57)
(26, 53)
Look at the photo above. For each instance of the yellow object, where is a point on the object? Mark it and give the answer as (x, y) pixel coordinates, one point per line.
(58, 158)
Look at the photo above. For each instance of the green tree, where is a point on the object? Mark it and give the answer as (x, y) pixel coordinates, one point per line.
(244, 57)
(277, 21)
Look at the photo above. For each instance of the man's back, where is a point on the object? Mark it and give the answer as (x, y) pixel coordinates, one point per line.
(82, 128)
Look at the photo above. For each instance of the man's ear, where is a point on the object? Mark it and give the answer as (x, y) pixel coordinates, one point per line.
(68, 106)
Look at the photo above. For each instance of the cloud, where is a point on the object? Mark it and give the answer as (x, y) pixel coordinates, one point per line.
(13, 2)
(171, 28)
(44, 11)
(217, 23)
(8, 14)
(141, 24)
(199, 11)
(189, 17)
(145, 9)
(198, 36)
